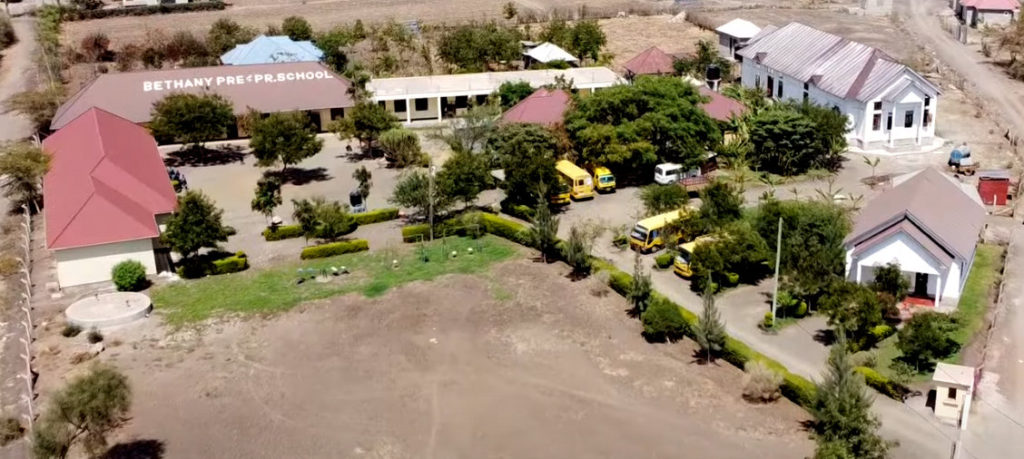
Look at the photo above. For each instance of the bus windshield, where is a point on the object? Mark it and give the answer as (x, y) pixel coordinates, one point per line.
(606, 179)
(639, 233)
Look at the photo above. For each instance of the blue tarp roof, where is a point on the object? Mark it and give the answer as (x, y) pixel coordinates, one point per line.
(269, 50)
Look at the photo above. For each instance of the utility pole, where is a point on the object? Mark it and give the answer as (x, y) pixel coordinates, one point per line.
(430, 196)
(778, 259)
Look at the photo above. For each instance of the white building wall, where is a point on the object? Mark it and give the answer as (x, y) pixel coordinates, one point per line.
(912, 258)
(951, 286)
(85, 265)
(989, 17)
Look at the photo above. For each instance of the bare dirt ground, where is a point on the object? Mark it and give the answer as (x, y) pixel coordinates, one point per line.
(627, 37)
(517, 363)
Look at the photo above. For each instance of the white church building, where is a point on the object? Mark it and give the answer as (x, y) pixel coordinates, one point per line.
(888, 105)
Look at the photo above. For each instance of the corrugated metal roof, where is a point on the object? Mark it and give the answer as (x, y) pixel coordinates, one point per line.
(470, 84)
(549, 52)
(841, 67)
(544, 106)
(269, 50)
(652, 61)
(739, 28)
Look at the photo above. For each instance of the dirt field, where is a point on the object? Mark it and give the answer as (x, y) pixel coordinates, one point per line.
(627, 37)
(517, 363)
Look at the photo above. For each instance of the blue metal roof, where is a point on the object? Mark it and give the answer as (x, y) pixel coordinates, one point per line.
(270, 50)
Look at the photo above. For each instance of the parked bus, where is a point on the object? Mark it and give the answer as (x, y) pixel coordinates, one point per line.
(580, 183)
(604, 181)
(681, 265)
(560, 195)
(649, 234)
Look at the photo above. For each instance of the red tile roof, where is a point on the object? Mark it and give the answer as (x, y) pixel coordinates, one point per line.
(652, 61)
(106, 183)
(993, 5)
(544, 106)
(720, 107)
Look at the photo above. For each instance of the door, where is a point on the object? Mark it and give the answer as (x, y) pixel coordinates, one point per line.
(920, 285)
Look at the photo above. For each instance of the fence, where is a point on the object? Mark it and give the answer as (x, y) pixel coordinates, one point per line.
(25, 301)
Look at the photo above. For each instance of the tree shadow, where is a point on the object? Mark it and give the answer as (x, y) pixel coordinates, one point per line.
(808, 425)
(301, 176)
(199, 156)
(825, 336)
(701, 358)
(932, 396)
(137, 449)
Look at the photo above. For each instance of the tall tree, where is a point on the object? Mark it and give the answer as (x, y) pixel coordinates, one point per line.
(469, 131)
(195, 225)
(639, 294)
(285, 137)
(333, 44)
(364, 178)
(526, 153)
(472, 47)
(710, 330)
(707, 54)
(414, 191)
(22, 167)
(87, 410)
(225, 34)
(191, 118)
(790, 138)
(464, 175)
(577, 251)
(544, 232)
(366, 122)
(267, 196)
(586, 40)
(720, 205)
(297, 28)
(511, 92)
(844, 426)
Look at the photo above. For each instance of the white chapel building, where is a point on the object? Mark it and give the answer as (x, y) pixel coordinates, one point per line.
(888, 105)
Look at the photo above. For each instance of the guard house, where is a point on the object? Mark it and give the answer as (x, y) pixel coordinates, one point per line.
(954, 388)
(733, 35)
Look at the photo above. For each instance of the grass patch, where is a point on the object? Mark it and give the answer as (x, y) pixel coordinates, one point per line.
(274, 289)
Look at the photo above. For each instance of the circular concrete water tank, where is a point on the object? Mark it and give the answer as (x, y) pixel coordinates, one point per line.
(109, 309)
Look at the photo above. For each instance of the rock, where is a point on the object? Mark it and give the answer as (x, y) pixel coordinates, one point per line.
(96, 348)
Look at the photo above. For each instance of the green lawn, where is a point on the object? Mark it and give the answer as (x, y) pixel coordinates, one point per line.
(974, 302)
(274, 289)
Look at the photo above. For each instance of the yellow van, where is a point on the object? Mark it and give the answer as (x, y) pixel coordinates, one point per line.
(604, 181)
(560, 195)
(681, 265)
(580, 183)
(648, 235)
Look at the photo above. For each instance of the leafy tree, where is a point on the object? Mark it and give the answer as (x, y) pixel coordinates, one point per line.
(509, 10)
(332, 43)
(543, 233)
(857, 310)
(557, 31)
(472, 47)
(586, 40)
(706, 55)
(323, 219)
(402, 147)
(577, 251)
(363, 177)
(662, 321)
(812, 253)
(366, 122)
(890, 279)
(191, 118)
(22, 167)
(464, 175)
(511, 92)
(926, 338)
(88, 409)
(469, 131)
(658, 199)
(710, 330)
(267, 196)
(195, 225)
(721, 204)
(38, 105)
(640, 290)
(790, 138)
(225, 34)
(736, 254)
(630, 128)
(844, 426)
(526, 153)
(297, 28)
(414, 191)
(285, 137)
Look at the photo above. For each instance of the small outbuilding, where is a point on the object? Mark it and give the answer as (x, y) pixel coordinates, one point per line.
(720, 107)
(994, 187)
(929, 224)
(107, 195)
(545, 107)
(272, 49)
(954, 388)
(987, 12)
(652, 61)
(733, 35)
(546, 53)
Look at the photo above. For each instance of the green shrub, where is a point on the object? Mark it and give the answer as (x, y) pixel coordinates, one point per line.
(798, 389)
(94, 336)
(233, 264)
(768, 321)
(517, 210)
(663, 260)
(277, 233)
(503, 228)
(882, 384)
(620, 240)
(129, 276)
(335, 248)
(70, 331)
(731, 279)
(880, 332)
(415, 233)
(662, 321)
(375, 216)
(801, 310)
(864, 359)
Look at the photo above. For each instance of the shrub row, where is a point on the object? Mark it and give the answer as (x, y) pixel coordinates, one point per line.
(213, 263)
(75, 14)
(233, 264)
(277, 233)
(884, 385)
(375, 216)
(464, 226)
(335, 248)
(518, 210)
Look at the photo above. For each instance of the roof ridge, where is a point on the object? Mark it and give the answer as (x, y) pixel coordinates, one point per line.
(92, 194)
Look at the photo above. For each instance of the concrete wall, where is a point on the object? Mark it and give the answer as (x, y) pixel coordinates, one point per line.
(84, 265)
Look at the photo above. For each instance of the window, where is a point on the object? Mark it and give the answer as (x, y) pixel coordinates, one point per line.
(399, 106)
(481, 99)
(908, 118)
(757, 81)
(461, 101)
(337, 113)
(807, 88)
(771, 86)
(878, 105)
(927, 101)
(951, 393)
(780, 87)
(382, 104)
(876, 122)
(888, 122)
(421, 104)
(927, 118)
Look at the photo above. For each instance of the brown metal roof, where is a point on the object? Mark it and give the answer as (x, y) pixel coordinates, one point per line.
(652, 61)
(936, 204)
(720, 107)
(288, 86)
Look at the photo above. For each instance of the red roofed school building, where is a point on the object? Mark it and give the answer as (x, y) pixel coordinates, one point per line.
(107, 193)
(308, 87)
(545, 107)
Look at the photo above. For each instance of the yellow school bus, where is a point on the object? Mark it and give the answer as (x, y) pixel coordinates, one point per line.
(649, 234)
(681, 265)
(560, 195)
(604, 181)
(580, 183)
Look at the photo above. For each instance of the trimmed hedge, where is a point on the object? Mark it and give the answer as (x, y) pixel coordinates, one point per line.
(277, 233)
(884, 385)
(375, 216)
(881, 332)
(489, 223)
(334, 248)
(518, 210)
(233, 264)
(501, 227)
(213, 263)
(74, 14)
(415, 233)
(663, 260)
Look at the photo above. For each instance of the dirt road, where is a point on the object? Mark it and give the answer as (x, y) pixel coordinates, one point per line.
(17, 74)
(920, 17)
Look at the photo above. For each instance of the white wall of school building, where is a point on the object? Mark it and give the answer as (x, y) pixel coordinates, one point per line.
(85, 265)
